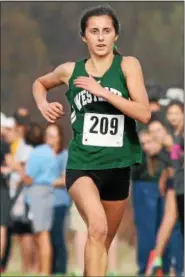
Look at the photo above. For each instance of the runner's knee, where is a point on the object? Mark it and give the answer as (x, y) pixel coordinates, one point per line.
(98, 229)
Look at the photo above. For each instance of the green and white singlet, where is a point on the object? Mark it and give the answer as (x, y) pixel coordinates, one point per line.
(103, 137)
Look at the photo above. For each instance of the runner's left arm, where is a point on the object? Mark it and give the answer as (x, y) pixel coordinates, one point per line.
(137, 107)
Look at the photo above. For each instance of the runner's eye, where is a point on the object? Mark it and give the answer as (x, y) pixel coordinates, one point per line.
(94, 31)
(107, 30)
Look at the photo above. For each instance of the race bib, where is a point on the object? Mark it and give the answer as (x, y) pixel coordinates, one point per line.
(103, 130)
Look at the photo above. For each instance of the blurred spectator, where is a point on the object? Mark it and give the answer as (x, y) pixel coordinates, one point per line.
(157, 129)
(35, 134)
(172, 94)
(175, 94)
(158, 134)
(168, 227)
(175, 117)
(4, 200)
(5, 234)
(3, 125)
(147, 213)
(155, 92)
(44, 172)
(171, 180)
(19, 153)
(54, 137)
(7, 123)
(22, 118)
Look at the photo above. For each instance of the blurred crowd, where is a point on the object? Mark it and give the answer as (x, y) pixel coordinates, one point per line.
(37, 211)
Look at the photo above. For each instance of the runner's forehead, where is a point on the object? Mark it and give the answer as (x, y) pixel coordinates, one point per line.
(100, 22)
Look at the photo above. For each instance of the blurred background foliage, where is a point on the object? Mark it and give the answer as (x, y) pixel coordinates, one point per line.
(37, 36)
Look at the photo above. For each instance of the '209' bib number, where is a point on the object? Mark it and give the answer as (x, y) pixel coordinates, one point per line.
(104, 126)
(103, 130)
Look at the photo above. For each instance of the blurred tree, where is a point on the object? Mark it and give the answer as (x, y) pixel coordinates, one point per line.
(37, 36)
(23, 55)
(161, 40)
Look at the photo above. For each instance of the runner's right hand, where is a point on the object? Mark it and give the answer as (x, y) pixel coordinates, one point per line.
(51, 111)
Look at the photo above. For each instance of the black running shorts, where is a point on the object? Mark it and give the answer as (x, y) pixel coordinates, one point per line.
(113, 184)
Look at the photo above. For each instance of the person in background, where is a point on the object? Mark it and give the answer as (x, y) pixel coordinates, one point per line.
(22, 117)
(4, 125)
(169, 227)
(157, 128)
(155, 262)
(155, 92)
(173, 143)
(42, 174)
(175, 117)
(4, 193)
(171, 95)
(33, 137)
(19, 153)
(55, 138)
(148, 212)
(23, 114)
(175, 94)
(35, 134)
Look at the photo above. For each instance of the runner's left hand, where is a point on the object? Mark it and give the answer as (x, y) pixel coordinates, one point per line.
(90, 84)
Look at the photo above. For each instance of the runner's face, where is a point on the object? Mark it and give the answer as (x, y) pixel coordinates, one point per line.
(100, 35)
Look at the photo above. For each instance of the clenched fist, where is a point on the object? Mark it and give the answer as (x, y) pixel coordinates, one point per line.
(51, 111)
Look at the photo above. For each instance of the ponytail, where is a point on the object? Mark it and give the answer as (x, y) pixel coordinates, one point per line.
(116, 51)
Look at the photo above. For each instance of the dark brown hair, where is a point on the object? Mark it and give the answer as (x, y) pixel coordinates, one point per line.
(176, 103)
(35, 134)
(99, 11)
(152, 162)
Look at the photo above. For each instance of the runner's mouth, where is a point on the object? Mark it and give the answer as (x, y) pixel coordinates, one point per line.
(101, 45)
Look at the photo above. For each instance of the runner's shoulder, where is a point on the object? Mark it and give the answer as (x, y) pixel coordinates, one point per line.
(65, 70)
(130, 63)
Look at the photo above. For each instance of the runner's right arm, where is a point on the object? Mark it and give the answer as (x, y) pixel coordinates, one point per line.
(61, 75)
